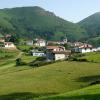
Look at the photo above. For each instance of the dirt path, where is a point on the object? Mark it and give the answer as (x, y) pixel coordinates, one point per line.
(19, 55)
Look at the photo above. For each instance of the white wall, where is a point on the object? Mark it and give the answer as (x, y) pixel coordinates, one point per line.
(42, 44)
(59, 56)
(83, 50)
(10, 46)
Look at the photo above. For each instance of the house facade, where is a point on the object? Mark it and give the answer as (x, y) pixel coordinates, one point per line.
(9, 45)
(40, 42)
(57, 53)
(84, 48)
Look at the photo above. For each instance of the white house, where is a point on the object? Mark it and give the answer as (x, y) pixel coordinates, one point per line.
(85, 48)
(61, 55)
(40, 42)
(9, 45)
(57, 53)
(38, 53)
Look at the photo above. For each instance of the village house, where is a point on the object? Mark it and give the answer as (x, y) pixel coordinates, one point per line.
(9, 45)
(57, 53)
(84, 48)
(40, 42)
(38, 53)
(6, 45)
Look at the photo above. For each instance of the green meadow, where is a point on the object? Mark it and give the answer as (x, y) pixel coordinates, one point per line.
(18, 82)
(64, 80)
(92, 57)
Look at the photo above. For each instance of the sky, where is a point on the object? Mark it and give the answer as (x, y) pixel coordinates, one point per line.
(71, 10)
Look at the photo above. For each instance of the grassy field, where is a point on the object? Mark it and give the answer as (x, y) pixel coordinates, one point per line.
(27, 83)
(92, 57)
(90, 93)
(27, 58)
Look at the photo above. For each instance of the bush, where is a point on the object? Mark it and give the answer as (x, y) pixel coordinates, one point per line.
(19, 62)
(83, 60)
(75, 59)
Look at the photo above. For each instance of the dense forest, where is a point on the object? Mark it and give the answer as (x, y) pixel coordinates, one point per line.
(32, 22)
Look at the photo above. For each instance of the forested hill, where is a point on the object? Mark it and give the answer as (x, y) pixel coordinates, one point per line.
(92, 25)
(31, 22)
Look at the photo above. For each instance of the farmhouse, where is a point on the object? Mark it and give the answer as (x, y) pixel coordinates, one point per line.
(60, 55)
(84, 48)
(40, 42)
(57, 53)
(9, 45)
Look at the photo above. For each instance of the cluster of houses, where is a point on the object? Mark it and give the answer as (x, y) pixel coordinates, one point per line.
(52, 52)
(4, 44)
(79, 47)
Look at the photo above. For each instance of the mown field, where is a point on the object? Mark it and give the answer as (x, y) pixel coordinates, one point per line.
(27, 83)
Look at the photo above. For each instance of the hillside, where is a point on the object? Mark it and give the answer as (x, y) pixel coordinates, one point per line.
(31, 22)
(90, 93)
(27, 83)
(92, 24)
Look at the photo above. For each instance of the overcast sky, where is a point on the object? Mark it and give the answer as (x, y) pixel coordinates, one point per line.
(72, 10)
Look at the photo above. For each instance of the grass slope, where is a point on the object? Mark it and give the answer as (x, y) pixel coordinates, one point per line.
(92, 57)
(24, 83)
(90, 93)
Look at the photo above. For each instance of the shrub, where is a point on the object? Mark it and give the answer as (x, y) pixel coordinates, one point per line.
(19, 62)
(83, 60)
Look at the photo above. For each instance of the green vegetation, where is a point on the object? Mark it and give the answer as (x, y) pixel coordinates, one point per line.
(28, 58)
(92, 25)
(25, 82)
(6, 54)
(95, 41)
(33, 22)
(90, 93)
(89, 57)
(24, 48)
